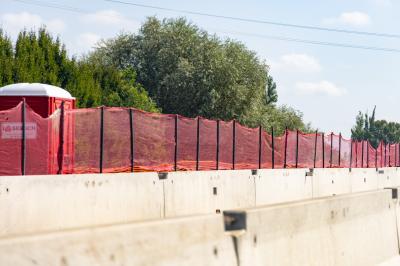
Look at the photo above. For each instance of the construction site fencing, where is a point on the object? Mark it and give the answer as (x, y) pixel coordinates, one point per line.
(109, 140)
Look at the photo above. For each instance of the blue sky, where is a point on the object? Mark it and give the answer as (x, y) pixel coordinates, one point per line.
(328, 84)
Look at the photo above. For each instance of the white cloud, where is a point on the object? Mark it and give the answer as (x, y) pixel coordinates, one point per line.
(297, 62)
(87, 41)
(323, 88)
(354, 18)
(13, 23)
(111, 18)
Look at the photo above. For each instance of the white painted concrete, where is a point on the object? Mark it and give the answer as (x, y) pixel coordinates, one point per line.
(282, 185)
(363, 179)
(43, 203)
(331, 181)
(356, 229)
(388, 177)
(188, 193)
(185, 241)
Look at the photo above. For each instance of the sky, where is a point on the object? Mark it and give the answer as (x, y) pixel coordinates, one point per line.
(328, 84)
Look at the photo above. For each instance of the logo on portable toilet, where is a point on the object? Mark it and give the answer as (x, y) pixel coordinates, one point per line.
(13, 130)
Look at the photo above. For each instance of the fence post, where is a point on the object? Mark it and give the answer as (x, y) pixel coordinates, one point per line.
(23, 139)
(389, 156)
(233, 144)
(217, 155)
(376, 158)
(340, 147)
(315, 147)
(259, 146)
(286, 136)
(61, 141)
(323, 150)
(362, 154)
(297, 147)
(176, 143)
(101, 138)
(351, 153)
(198, 144)
(384, 161)
(273, 147)
(331, 153)
(367, 142)
(131, 129)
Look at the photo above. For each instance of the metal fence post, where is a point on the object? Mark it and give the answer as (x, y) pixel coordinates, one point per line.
(217, 153)
(286, 136)
(233, 144)
(323, 150)
(362, 154)
(297, 147)
(61, 140)
(351, 153)
(198, 144)
(101, 138)
(367, 142)
(340, 147)
(376, 158)
(259, 146)
(176, 144)
(331, 153)
(315, 147)
(23, 139)
(273, 148)
(132, 136)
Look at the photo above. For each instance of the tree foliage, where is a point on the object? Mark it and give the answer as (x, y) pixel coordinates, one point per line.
(189, 72)
(37, 57)
(375, 131)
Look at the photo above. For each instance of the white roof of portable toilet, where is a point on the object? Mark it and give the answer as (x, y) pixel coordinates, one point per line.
(34, 89)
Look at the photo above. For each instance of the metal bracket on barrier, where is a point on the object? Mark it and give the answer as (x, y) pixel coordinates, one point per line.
(162, 175)
(381, 172)
(234, 220)
(394, 192)
(254, 172)
(310, 172)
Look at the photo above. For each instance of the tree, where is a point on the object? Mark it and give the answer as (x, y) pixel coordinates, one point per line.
(189, 72)
(6, 59)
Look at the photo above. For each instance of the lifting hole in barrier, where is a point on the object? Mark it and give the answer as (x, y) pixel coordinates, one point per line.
(215, 192)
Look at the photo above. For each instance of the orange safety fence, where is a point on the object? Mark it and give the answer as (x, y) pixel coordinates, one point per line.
(111, 139)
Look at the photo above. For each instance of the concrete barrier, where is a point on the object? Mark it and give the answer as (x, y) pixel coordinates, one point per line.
(388, 177)
(43, 203)
(331, 181)
(185, 241)
(363, 179)
(356, 229)
(282, 185)
(188, 193)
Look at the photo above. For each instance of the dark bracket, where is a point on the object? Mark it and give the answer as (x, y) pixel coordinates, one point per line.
(234, 220)
(162, 175)
(254, 172)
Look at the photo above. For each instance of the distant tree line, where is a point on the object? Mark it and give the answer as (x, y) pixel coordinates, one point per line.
(169, 66)
(375, 131)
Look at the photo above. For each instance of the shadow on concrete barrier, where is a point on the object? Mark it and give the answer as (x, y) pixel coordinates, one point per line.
(355, 229)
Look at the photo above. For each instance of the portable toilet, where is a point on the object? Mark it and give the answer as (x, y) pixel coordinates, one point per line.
(42, 98)
(42, 134)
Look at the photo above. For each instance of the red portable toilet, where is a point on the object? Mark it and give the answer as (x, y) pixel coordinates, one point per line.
(44, 100)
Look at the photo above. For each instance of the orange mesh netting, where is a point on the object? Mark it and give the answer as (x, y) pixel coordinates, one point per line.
(123, 140)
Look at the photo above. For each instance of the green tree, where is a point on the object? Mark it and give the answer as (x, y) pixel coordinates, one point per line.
(190, 72)
(6, 59)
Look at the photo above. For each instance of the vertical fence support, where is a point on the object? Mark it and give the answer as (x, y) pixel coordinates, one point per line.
(331, 153)
(356, 142)
(132, 137)
(259, 146)
(101, 138)
(367, 142)
(315, 148)
(340, 148)
(286, 137)
(351, 153)
(23, 138)
(198, 144)
(297, 147)
(323, 150)
(389, 156)
(176, 144)
(217, 153)
(273, 148)
(233, 144)
(362, 154)
(398, 154)
(376, 159)
(61, 140)
(384, 161)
